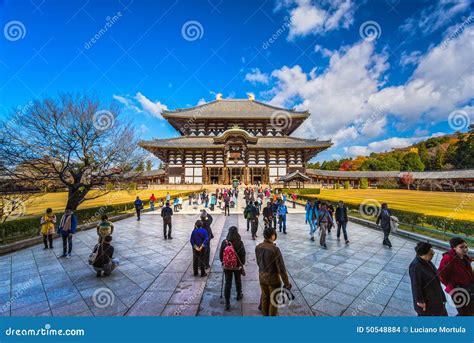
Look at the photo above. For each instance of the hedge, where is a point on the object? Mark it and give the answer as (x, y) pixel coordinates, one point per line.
(28, 227)
(300, 191)
(419, 219)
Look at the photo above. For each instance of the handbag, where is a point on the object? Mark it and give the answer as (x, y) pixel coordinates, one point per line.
(94, 254)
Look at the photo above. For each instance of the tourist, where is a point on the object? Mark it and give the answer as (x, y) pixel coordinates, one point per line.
(207, 219)
(199, 241)
(456, 274)
(272, 271)
(428, 296)
(311, 218)
(67, 227)
(176, 205)
(384, 220)
(268, 215)
(104, 262)
(282, 212)
(166, 214)
(212, 202)
(206, 200)
(232, 257)
(47, 221)
(190, 199)
(180, 202)
(331, 212)
(152, 202)
(275, 213)
(324, 220)
(226, 205)
(168, 197)
(104, 228)
(251, 214)
(138, 207)
(341, 220)
(293, 199)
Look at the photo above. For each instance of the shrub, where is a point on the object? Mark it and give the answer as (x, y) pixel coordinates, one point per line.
(347, 185)
(336, 185)
(364, 183)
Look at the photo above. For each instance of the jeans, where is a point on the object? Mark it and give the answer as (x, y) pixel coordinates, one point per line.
(228, 283)
(275, 221)
(282, 222)
(254, 227)
(167, 223)
(323, 227)
(226, 210)
(138, 213)
(312, 227)
(344, 231)
(267, 307)
(67, 243)
(152, 205)
(199, 261)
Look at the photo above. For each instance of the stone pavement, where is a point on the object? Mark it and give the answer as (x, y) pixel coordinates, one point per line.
(155, 277)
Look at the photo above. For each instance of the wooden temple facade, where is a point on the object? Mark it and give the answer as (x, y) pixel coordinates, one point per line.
(228, 139)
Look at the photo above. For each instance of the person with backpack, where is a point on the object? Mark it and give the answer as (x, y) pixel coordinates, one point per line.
(166, 214)
(104, 228)
(138, 207)
(47, 222)
(282, 212)
(232, 256)
(67, 228)
(152, 201)
(207, 219)
(199, 242)
(251, 213)
(341, 220)
(272, 272)
(104, 261)
(324, 220)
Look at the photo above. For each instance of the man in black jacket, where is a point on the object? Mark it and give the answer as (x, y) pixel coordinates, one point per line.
(207, 219)
(104, 261)
(166, 213)
(384, 220)
(428, 296)
(341, 220)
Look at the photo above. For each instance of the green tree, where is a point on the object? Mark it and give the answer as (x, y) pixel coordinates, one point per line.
(423, 153)
(364, 183)
(412, 162)
(149, 165)
(140, 167)
(465, 151)
(439, 159)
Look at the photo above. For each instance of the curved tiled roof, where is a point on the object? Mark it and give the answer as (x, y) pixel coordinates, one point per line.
(233, 108)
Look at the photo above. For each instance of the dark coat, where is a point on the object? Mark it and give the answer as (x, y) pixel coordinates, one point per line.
(166, 213)
(239, 250)
(455, 272)
(341, 214)
(105, 254)
(426, 287)
(206, 224)
(270, 263)
(384, 219)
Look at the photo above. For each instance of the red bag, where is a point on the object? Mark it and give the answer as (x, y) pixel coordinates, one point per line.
(229, 260)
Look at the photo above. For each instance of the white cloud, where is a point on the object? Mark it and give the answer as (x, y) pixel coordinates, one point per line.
(316, 18)
(153, 108)
(256, 76)
(201, 102)
(144, 129)
(128, 103)
(434, 17)
(410, 58)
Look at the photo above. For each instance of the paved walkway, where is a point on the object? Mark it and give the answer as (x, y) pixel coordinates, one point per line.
(155, 276)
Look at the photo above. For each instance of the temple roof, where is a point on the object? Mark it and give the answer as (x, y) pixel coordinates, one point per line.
(232, 109)
(295, 176)
(209, 142)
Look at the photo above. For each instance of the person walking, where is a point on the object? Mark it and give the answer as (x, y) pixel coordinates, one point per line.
(456, 274)
(226, 205)
(272, 271)
(207, 219)
(282, 212)
(384, 220)
(275, 213)
(104, 228)
(341, 220)
(104, 262)
(232, 256)
(310, 218)
(330, 208)
(168, 197)
(166, 214)
(324, 220)
(212, 202)
(47, 223)
(251, 214)
(152, 201)
(67, 228)
(428, 296)
(199, 241)
(138, 207)
(293, 199)
(268, 215)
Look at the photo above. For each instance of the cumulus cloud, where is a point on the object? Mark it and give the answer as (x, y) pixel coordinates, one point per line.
(256, 76)
(307, 17)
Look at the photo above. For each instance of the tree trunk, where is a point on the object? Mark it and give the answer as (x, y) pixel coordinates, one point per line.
(76, 195)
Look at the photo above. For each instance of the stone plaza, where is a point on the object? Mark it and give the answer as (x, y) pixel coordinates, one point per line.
(155, 277)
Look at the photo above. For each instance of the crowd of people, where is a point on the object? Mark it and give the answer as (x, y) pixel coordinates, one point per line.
(429, 299)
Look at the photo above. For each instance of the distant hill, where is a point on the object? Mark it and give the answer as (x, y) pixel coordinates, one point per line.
(454, 151)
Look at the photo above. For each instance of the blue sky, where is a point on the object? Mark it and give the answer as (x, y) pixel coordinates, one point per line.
(374, 74)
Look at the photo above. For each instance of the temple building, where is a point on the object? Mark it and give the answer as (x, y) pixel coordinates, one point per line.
(229, 139)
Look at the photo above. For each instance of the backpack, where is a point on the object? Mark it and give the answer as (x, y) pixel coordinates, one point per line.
(94, 254)
(229, 260)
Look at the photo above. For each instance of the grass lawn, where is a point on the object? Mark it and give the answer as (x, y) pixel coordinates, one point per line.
(57, 201)
(458, 205)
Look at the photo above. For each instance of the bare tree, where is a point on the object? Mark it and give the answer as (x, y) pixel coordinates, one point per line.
(73, 139)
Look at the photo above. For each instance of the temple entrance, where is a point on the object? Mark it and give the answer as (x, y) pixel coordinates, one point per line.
(236, 173)
(257, 175)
